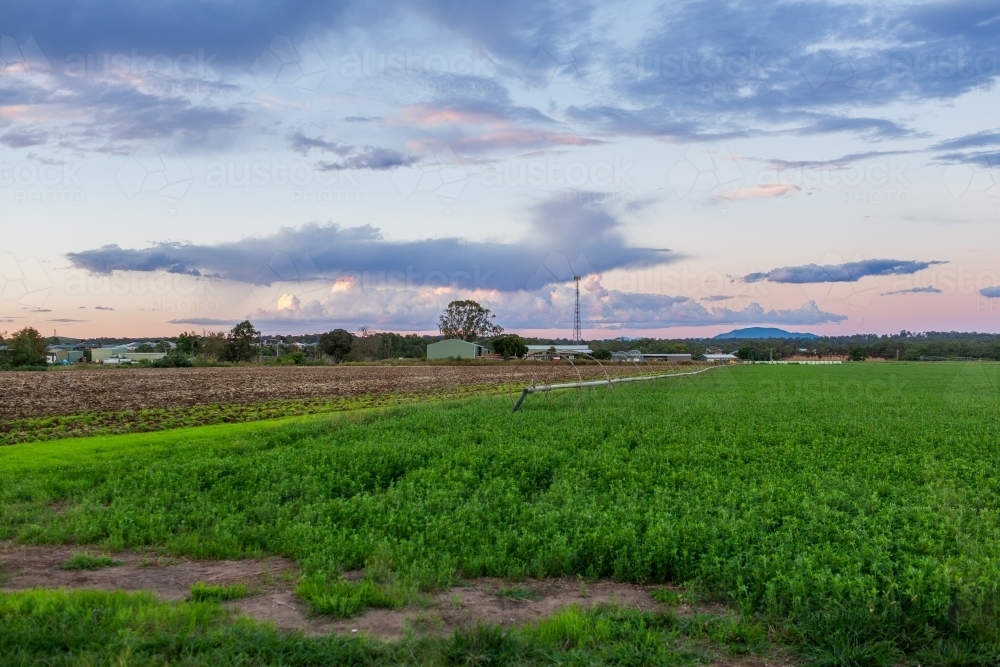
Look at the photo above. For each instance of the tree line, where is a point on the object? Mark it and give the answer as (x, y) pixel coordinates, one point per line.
(469, 321)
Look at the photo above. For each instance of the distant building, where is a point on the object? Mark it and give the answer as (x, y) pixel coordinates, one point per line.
(99, 354)
(148, 356)
(636, 355)
(454, 349)
(559, 348)
(63, 356)
(721, 357)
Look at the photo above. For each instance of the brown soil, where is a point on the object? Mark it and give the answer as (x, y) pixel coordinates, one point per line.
(169, 578)
(272, 582)
(28, 395)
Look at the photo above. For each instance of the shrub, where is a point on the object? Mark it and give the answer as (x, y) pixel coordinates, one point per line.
(172, 360)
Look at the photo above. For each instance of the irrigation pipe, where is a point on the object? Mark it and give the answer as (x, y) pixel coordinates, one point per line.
(534, 389)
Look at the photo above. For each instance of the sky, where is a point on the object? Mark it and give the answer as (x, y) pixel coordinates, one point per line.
(182, 165)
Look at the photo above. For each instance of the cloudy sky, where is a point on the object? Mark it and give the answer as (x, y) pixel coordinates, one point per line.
(823, 166)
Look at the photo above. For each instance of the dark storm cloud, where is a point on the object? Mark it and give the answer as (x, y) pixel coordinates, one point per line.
(839, 273)
(565, 238)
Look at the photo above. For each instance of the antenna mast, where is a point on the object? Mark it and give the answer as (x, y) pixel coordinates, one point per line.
(577, 329)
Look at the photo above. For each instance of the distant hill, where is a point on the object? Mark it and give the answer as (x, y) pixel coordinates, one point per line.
(762, 332)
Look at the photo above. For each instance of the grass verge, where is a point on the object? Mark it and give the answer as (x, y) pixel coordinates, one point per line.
(91, 627)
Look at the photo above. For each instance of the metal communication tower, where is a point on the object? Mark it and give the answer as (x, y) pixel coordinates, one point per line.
(577, 329)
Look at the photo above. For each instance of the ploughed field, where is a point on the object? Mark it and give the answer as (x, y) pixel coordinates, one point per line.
(76, 402)
(850, 513)
(105, 390)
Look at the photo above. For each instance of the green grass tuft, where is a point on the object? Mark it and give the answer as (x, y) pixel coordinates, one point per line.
(201, 592)
(344, 599)
(667, 596)
(85, 561)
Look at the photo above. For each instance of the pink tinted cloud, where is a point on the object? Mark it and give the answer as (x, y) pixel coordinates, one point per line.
(761, 191)
(481, 131)
(504, 137)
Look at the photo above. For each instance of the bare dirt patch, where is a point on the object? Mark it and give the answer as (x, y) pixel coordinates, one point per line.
(32, 395)
(107, 401)
(169, 578)
(272, 582)
(28, 395)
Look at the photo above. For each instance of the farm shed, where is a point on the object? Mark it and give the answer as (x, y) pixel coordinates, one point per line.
(560, 349)
(148, 356)
(721, 357)
(102, 353)
(454, 349)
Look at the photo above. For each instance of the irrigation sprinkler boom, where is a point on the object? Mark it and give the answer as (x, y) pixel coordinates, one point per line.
(607, 382)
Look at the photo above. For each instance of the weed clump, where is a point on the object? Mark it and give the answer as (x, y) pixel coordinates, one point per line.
(201, 592)
(85, 561)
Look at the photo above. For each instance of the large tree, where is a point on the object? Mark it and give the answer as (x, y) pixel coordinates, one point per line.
(26, 348)
(468, 321)
(241, 341)
(188, 343)
(336, 344)
(509, 345)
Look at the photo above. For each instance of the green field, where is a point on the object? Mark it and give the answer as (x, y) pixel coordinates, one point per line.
(851, 508)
